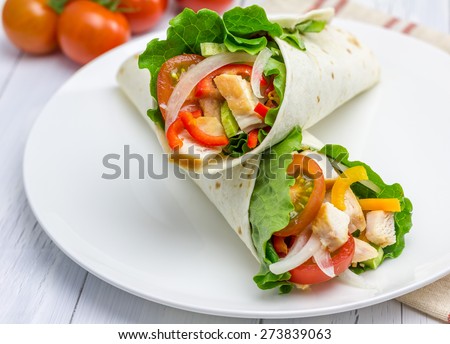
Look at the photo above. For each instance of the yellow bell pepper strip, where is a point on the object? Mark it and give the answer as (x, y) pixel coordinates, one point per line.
(386, 204)
(342, 184)
(191, 125)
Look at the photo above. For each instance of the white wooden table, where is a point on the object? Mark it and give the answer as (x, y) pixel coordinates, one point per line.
(38, 283)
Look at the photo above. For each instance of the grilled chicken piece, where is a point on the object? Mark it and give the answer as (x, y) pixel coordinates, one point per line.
(381, 228)
(210, 107)
(241, 100)
(331, 226)
(352, 209)
(363, 251)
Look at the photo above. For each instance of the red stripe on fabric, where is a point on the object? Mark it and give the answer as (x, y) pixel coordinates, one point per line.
(340, 5)
(409, 28)
(391, 23)
(316, 5)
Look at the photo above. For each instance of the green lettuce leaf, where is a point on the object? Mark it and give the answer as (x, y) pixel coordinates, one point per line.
(246, 28)
(295, 36)
(270, 207)
(237, 146)
(403, 221)
(311, 26)
(277, 68)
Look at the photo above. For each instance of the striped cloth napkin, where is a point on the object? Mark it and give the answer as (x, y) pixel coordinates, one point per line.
(433, 299)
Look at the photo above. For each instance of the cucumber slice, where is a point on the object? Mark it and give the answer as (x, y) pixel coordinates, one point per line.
(210, 49)
(229, 123)
(375, 262)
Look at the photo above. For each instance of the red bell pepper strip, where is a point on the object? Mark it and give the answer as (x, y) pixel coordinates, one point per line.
(175, 129)
(269, 89)
(280, 245)
(263, 82)
(206, 87)
(261, 109)
(173, 133)
(190, 123)
(252, 140)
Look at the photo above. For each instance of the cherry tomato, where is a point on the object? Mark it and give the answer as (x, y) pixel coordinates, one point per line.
(215, 5)
(87, 30)
(307, 194)
(168, 77)
(31, 25)
(310, 273)
(143, 14)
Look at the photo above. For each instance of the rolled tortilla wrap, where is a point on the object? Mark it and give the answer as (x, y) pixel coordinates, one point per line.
(334, 68)
(249, 210)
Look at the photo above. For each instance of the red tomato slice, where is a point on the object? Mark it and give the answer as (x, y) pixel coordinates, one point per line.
(206, 87)
(310, 273)
(167, 79)
(304, 166)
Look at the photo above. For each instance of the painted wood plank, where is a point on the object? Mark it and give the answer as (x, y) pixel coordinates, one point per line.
(413, 316)
(103, 303)
(39, 284)
(9, 57)
(383, 313)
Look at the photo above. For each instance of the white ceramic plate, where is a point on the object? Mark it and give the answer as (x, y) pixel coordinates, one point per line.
(162, 240)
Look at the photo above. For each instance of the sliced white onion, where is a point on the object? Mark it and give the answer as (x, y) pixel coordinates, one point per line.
(324, 262)
(249, 122)
(295, 259)
(258, 69)
(194, 75)
(249, 128)
(355, 280)
(299, 242)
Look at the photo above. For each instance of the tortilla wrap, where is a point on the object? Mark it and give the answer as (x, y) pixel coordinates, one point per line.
(334, 68)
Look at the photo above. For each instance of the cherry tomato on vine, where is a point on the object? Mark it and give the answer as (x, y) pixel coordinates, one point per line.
(215, 5)
(30, 25)
(142, 15)
(87, 30)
